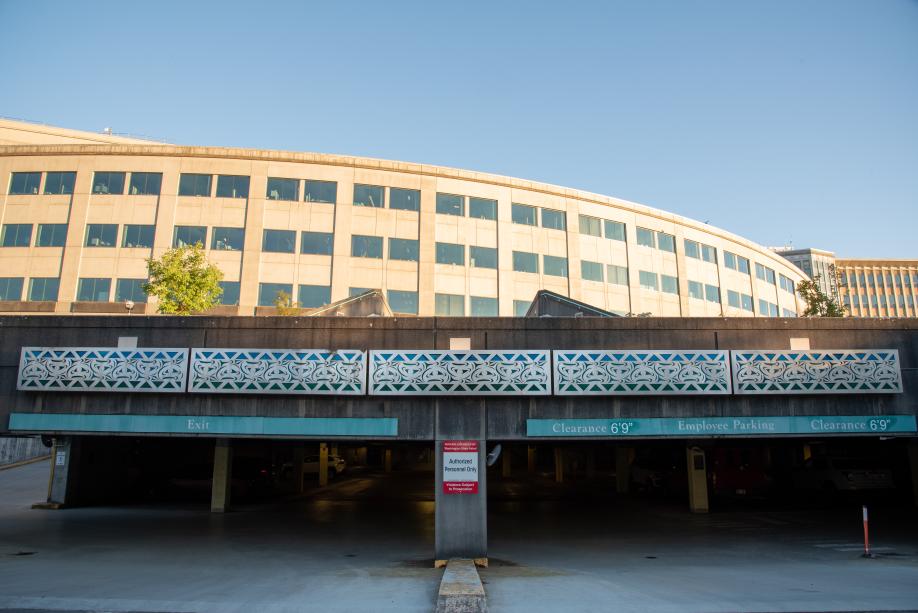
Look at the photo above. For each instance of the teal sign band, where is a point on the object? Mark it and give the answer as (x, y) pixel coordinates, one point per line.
(205, 425)
(696, 427)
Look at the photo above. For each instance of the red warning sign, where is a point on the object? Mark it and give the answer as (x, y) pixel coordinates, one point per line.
(460, 467)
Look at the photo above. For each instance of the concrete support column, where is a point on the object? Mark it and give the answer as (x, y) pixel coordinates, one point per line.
(559, 465)
(913, 465)
(622, 469)
(387, 460)
(697, 479)
(223, 475)
(62, 480)
(505, 463)
(531, 459)
(323, 464)
(299, 455)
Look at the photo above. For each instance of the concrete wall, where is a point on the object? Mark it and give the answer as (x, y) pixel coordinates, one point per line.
(16, 449)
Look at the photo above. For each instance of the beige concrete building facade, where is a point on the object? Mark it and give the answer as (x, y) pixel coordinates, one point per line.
(80, 220)
(878, 288)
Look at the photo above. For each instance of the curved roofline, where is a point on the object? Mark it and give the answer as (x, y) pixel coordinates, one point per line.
(269, 155)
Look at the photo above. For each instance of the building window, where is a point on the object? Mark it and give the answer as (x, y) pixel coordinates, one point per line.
(645, 237)
(232, 186)
(16, 235)
(523, 215)
(553, 219)
(357, 291)
(51, 235)
(591, 271)
(25, 183)
(521, 307)
(366, 246)
(786, 284)
(268, 293)
(648, 280)
(11, 288)
(767, 308)
(450, 204)
(695, 289)
(283, 189)
(189, 235)
(449, 305)
(666, 242)
(230, 295)
(614, 230)
(788, 313)
(227, 239)
(101, 235)
(314, 296)
(369, 195)
(554, 266)
(733, 299)
(145, 183)
(404, 199)
(93, 290)
(278, 241)
(764, 273)
(669, 284)
(591, 226)
(746, 300)
(483, 307)
(43, 289)
(736, 262)
(194, 185)
(483, 257)
(450, 253)
(108, 183)
(138, 236)
(616, 275)
(712, 293)
(525, 262)
(320, 191)
(403, 249)
(403, 302)
(60, 183)
(317, 243)
(482, 208)
(692, 249)
(709, 254)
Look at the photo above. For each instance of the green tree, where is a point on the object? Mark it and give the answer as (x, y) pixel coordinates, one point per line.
(285, 304)
(818, 304)
(184, 281)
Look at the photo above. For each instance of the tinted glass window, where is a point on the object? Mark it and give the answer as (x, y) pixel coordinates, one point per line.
(189, 235)
(321, 191)
(282, 189)
(695, 289)
(747, 301)
(591, 271)
(317, 243)
(51, 235)
(138, 236)
(108, 183)
(733, 298)
(553, 219)
(482, 208)
(130, 289)
(356, 291)
(666, 242)
(403, 249)
(449, 305)
(648, 280)
(366, 246)
(554, 266)
(616, 275)
(483, 257)
(43, 289)
(232, 186)
(93, 290)
(404, 199)
(16, 235)
(268, 293)
(450, 204)
(101, 235)
(227, 239)
(521, 307)
(522, 214)
(60, 182)
(709, 254)
(525, 262)
(645, 237)
(692, 249)
(615, 230)
(369, 195)
(483, 307)
(194, 185)
(712, 293)
(230, 295)
(314, 296)
(669, 284)
(145, 184)
(590, 225)
(11, 288)
(279, 241)
(403, 302)
(449, 253)
(25, 182)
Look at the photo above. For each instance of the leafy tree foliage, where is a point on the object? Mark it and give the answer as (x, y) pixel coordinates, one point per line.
(184, 281)
(818, 304)
(285, 304)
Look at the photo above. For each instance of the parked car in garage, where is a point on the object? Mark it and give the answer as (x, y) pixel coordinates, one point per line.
(839, 474)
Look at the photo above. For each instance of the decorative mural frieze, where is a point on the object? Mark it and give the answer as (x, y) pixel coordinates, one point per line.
(583, 373)
(278, 371)
(103, 369)
(817, 372)
(479, 373)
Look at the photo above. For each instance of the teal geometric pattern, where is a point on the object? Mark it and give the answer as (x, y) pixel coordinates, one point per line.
(277, 371)
(585, 373)
(865, 371)
(476, 373)
(102, 369)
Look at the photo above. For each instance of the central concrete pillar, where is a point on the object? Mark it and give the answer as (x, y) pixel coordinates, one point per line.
(559, 465)
(697, 479)
(622, 469)
(223, 475)
(505, 463)
(63, 476)
(461, 525)
(531, 459)
(387, 460)
(323, 464)
(913, 465)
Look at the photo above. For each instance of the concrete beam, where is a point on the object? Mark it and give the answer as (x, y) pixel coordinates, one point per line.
(223, 475)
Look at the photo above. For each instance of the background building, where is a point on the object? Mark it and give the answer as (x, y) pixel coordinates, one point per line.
(80, 219)
(815, 262)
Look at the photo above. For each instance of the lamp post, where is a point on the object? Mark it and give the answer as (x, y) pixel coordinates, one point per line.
(129, 305)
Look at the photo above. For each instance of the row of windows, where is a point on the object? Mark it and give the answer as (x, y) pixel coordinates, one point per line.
(863, 279)
(703, 291)
(658, 283)
(593, 271)
(700, 251)
(594, 226)
(880, 300)
(528, 216)
(88, 290)
(656, 240)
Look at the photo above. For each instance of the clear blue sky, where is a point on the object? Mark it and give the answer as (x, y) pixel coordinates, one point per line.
(778, 120)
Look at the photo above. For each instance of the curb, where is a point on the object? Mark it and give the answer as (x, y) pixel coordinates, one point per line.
(24, 462)
(461, 590)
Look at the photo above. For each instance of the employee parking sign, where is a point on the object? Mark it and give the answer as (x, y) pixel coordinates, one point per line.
(460, 467)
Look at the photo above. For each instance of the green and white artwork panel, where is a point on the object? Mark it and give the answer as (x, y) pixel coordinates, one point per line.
(102, 369)
(864, 371)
